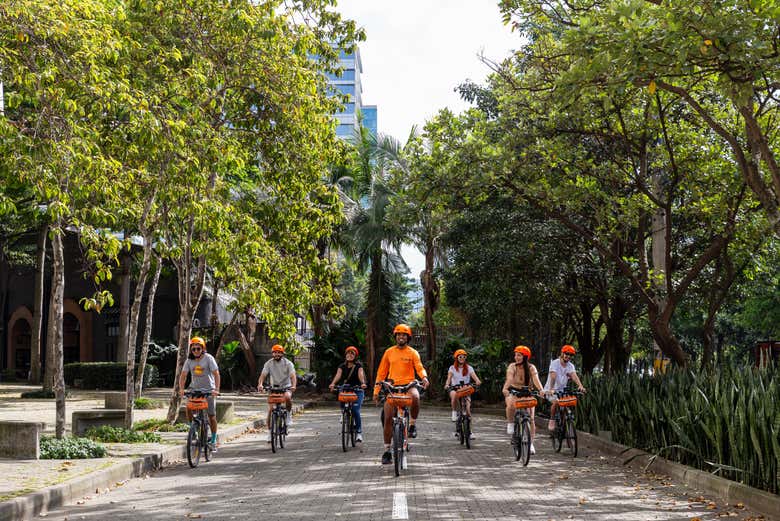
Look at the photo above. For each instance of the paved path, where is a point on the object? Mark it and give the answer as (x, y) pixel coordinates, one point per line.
(312, 479)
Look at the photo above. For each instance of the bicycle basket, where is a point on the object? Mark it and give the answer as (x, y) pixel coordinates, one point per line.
(276, 398)
(464, 391)
(347, 397)
(525, 402)
(567, 401)
(197, 404)
(400, 400)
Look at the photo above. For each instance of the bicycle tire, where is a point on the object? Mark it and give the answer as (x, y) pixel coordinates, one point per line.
(352, 428)
(557, 435)
(407, 422)
(273, 427)
(525, 442)
(205, 432)
(459, 429)
(516, 439)
(398, 447)
(466, 431)
(193, 444)
(281, 428)
(571, 436)
(345, 419)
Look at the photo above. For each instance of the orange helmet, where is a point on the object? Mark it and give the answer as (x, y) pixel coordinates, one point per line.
(352, 349)
(569, 349)
(524, 350)
(196, 340)
(459, 352)
(402, 328)
(277, 347)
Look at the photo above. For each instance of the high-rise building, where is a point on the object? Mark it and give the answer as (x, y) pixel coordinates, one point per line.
(348, 82)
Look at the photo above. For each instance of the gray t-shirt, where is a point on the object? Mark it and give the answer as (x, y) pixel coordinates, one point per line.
(279, 372)
(201, 371)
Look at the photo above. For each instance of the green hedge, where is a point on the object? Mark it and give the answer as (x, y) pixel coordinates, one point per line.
(70, 448)
(725, 421)
(109, 434)
(105, 375)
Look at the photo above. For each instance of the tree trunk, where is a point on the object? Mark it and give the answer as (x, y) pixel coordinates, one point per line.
(139, 380)
(54, 336)
(37, 325)
(132, 336)
(249, 355)
(5, 274)
(430, 300)
(124, 309)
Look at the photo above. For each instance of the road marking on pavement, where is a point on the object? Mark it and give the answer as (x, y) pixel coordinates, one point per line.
(399, 506)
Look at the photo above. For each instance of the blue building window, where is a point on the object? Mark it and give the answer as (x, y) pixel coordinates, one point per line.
(349, 108)
(345, 130)
(346, 75)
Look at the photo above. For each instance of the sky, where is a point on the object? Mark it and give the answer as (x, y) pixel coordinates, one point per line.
(416, 53)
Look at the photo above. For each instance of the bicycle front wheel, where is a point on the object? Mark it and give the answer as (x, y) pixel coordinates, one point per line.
(352, 428)
(516, 439)
(571, 436)
(398, 447)
(466, 431)
(459, 429)
(345, 420)
(281, 428)
(525, 442)
(193, 444)
(274, 430)
(557, 436)
(205, 435)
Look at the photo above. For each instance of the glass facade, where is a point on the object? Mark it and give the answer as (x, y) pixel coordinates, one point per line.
(347, 119)
(370, 118)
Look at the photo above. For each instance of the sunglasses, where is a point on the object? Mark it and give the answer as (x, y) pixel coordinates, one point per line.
(196, 348)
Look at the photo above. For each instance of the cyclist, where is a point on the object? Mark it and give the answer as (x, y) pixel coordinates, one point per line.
(204, 371)
(561, 370)
(356, 377)
(521, 373)
(401, 364)
(282, 374)
(460, 373)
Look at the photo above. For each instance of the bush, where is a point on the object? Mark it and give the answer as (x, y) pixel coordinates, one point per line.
(489, 361)
(105, 375)
(39, 394)
(163, 357)
(328, 351)
(159, 425)
(109, 434)
(147, 403)
(70, 448)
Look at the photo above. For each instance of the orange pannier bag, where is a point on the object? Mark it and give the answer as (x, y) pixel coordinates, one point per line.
(277, 398)
(567, 401)
(197, 404)
(525, 402)
(464, 391)
(400, 400)
(347, 397)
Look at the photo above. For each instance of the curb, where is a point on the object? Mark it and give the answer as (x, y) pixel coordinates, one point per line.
(727, 490)
(28, 506)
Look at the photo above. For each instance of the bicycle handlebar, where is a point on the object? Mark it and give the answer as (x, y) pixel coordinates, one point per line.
(523, 391)
(197, 393)
(388, 385)
(455, 387)
(346, 388)
(276, 390)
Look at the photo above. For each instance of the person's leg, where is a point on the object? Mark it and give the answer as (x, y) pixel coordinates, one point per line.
(388, 430)
(553, 412)
(454, 401)
(212, 411)
(415, 408)
(288, 404)
(468, 405)
(510, 413)
(268, 421)
(356, 410)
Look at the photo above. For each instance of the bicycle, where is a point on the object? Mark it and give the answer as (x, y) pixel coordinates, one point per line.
(463, 423)
(199, 433)
(398, 396)
(347, 397)
(521, 434)
(565, 428)
(278, 425)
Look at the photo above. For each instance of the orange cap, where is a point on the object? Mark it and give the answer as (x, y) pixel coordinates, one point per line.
(568, 349)
(459, 352)
(402, 328)
(199, 341)
(351, 349)
(523, 349)
(277, 347)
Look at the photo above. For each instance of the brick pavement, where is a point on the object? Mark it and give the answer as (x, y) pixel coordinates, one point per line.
(311, 478)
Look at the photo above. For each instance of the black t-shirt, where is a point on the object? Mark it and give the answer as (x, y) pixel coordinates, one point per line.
(352, 380)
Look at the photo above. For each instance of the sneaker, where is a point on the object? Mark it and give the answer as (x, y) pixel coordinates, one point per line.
(359, 437)
(510, 428)
(551, 425)
(471, 437)
(413, 431)
(533, 450)
(289, 419)
(454, 416)
(214, 438)
(387, 458)
(456, 434)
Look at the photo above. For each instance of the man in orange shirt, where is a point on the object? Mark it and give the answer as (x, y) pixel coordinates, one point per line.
(401, 364)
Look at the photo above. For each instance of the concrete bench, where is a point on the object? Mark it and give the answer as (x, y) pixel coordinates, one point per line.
(116, 400)
(20, 439)
(225, 412)
(83, 420)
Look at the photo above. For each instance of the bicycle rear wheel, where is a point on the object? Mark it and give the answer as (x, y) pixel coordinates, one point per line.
(467, 431)
(274, 428)
(281, 428)
(205, 433)
(571, 436)
(516, 439)
(525, 442)
(459, 429)
(352, 428)
(398, 447)
(557, 435)
(345, 420)
(193, 444)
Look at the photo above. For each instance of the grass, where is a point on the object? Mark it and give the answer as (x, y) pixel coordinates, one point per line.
(159, 425)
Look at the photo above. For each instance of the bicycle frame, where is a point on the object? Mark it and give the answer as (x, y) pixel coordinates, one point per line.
(347, 398)
(521, 436)
(463, 422)
(278, 417)
(565, 421)
(198, 435)
(400, 400)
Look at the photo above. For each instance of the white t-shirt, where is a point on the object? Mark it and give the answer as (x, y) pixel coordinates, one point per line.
(457, 376)
(561, 375)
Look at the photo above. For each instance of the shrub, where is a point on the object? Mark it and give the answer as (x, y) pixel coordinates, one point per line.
(70, 448)
(109, 434)
(328, 351)
(40, 393)
(159, 425)
(489, 361)
(147, 403)
(105, 375)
